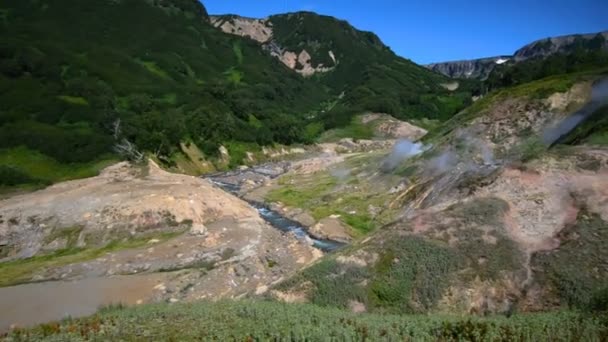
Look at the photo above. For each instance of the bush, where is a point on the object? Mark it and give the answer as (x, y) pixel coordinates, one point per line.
(269, 321)
(10, 176)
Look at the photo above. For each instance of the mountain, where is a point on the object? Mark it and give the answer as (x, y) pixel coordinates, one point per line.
(540, 49)
(562, 45)
(79, 79)
(350, 62)
(472, 68)
(76, 88)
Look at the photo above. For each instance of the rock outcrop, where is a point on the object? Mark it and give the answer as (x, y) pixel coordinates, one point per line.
(261, 30)
(122, 201)
(562, 44)
(482, 67)
(474, 68)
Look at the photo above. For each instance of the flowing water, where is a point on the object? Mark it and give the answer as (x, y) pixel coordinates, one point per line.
(31, 304)
(280, 222)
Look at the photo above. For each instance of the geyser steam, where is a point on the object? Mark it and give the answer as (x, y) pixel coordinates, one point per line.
(599, 98)
(402, 150)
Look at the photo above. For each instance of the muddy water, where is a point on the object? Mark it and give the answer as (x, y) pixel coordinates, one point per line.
(31, 304)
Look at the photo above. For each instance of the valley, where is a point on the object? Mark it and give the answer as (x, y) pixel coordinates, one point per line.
(187, 176)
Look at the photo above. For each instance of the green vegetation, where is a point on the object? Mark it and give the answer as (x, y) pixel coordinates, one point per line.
(409, 276)
(268, 321)
(74, 100)
(593, 131)
(530, 149)
(323, 194)
(67, 78)
(478, 234)
(537, 89)
(403, 272)
(372, 77)
(576, 271)
(22, 270)
(580, 55)
(355, 130)
(21, 165)
(72, 86)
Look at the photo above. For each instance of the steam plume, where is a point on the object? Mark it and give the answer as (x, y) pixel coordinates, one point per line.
(401, 151)
(599, 98)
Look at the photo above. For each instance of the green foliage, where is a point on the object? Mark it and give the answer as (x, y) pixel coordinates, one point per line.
(334, 284)
(411, 275)
(372, 77)
(530, 149)
(580, 56)
(74, 100)
(66, 76)
(270, 321)
(355, 130)
(11, 176)
(537, 89)
(576, 269)
(593, 131)
(24, 166)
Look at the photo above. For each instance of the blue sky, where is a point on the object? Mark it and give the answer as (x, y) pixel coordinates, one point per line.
(430, 31)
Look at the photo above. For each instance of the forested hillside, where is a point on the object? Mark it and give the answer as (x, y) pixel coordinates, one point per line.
(353, 63)
(79, 79)
(76, 77)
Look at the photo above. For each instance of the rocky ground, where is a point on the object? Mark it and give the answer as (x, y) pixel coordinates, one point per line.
(487, 220)
(184, 238)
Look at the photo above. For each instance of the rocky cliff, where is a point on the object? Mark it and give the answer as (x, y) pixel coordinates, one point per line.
(474, 68)
(482, 67)
(261, 30)
(563, 44)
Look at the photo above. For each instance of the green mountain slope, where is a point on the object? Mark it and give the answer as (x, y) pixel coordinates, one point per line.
(71, 70)
(352, 62)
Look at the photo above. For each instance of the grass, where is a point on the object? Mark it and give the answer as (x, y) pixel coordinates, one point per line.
(411, 275)
(154, 69)
(77, 100)
(270, 321)
(408, 273)
(22, 270)
(323, 194)
(577, 269)
(45, 169)
(234, 76)
(318, 194)
(600, 138)
(355, 130)
(593, 131)
(238, 52)
(530, 149)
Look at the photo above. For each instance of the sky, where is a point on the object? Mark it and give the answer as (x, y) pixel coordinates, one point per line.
(427, 31)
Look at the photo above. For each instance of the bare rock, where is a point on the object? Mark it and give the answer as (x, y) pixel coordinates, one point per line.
(331, 229)
(198, 229)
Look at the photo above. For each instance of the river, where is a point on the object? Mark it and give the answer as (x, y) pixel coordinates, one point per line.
(278, 221)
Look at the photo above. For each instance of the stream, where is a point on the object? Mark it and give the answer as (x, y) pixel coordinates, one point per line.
(278, 221)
